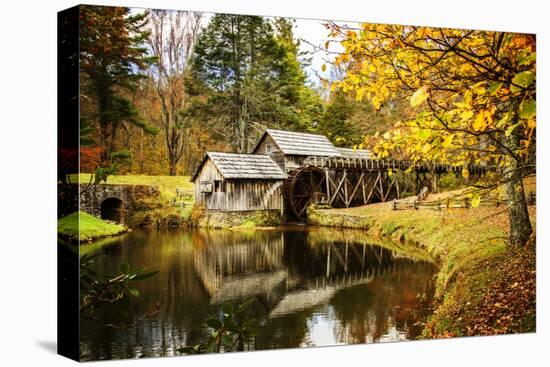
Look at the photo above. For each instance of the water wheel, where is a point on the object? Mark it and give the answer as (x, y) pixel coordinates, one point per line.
(303, 186)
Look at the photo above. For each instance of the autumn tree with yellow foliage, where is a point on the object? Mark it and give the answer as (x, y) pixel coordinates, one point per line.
(473, 93)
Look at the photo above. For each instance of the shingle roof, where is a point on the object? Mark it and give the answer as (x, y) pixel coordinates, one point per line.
(294, 143)
(233, 165)
(358, 153)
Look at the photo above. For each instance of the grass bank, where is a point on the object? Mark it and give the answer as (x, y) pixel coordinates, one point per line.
(83, 227)
(167, 185)
(482, 287)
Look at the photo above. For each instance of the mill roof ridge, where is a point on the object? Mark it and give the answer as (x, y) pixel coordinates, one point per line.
(301, 143)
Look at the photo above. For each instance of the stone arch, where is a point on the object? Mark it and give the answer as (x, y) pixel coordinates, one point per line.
(111, 209)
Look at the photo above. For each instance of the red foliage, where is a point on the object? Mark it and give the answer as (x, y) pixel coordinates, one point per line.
(90, 158)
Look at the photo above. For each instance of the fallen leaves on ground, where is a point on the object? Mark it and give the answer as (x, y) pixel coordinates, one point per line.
(509, 304)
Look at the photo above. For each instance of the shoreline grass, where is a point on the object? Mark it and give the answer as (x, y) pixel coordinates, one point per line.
(83, 227)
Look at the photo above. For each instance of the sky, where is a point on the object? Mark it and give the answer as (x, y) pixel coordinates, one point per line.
(313, 32)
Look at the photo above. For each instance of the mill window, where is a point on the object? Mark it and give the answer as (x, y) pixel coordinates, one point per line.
(219, 186)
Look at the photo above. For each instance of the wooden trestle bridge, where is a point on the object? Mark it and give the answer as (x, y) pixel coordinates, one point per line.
(346, 182)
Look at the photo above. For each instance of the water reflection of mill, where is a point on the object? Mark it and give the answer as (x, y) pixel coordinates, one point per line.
(311, 286)
(289, 273)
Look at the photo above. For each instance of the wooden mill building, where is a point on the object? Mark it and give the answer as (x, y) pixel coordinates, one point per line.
(238, 182)
(256, 181)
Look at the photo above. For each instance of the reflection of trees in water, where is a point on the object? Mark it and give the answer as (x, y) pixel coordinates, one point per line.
(291, 275)
(371, 292)
(184, 305)
(396, 300)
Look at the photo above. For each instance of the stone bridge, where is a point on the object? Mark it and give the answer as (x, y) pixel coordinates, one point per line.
(107, 201)
(114, 202)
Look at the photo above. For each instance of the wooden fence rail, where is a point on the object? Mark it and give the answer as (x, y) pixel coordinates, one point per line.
(454, 203)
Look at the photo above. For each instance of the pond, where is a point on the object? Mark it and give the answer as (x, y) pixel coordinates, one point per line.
(311, 287)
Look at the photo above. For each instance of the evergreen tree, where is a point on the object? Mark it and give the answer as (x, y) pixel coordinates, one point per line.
(111, 56)
(346, 121)
(299, 105)
(228, 60)
(335, 123)
(252, 77)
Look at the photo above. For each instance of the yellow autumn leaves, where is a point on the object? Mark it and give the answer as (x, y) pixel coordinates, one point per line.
(463, 96)
(419, 96)
(483, 120)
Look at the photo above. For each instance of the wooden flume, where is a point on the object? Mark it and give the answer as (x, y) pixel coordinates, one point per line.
(348, 182)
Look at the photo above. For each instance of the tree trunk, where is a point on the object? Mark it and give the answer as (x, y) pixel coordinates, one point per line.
(104, 131)
(103, 139)
(434, 179)
(520, 224)
(141, 163)
(173, 165)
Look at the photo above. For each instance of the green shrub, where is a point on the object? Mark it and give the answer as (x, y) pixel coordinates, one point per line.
(450, 181)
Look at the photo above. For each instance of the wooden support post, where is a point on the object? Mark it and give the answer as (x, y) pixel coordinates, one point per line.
(355, 188)
(374, 186)
(381, 187)
(327, 184)
(397, 187)
(388, 189)
(337, 189)
(363, 189)
(346, 189)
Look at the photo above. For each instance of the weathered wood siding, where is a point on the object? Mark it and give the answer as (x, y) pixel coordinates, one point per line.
(254, 195)
(208, 172)
(287, 162)
(238, 194)
(268, 146)
(293, 162)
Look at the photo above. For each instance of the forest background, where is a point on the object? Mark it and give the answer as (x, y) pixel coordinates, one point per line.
(159, 88)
